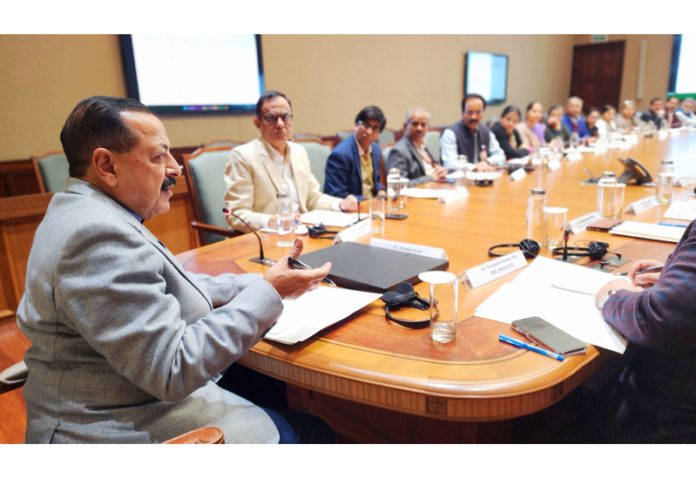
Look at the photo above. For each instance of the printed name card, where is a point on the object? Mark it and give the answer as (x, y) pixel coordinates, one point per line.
(674, 132)
(574, 156)
(631, 138)
(355, 232)
(580, 224)
(450, 195)
(686, 180)
(518, 174)
(555, 164)
(427, 251)
(492, 270)
(663, 134)
(600, 148)
(642, 205)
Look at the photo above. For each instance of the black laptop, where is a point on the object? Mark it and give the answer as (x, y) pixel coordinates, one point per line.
(374, 269)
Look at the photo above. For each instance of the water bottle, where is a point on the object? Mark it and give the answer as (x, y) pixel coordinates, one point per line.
(284, 219)
(610, 195)
(461, 165)
(536, 202)
(393, 188)
(665, 182)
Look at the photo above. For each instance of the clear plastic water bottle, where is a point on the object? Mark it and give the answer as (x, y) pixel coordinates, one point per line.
(665, 182)
(285, 221)
(393, 188)
(610, 194)
(461, 165)
(536, 202)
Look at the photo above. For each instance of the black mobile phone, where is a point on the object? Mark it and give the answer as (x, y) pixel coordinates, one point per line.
(549, 336)
(395, 216)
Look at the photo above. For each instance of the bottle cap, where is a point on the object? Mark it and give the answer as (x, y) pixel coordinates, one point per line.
(537, 192)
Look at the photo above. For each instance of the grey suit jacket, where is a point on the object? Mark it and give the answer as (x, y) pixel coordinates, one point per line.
(405, 157)
(124, 342)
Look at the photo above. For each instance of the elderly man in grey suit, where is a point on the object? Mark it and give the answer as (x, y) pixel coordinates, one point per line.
(411, 156)
(126, 344)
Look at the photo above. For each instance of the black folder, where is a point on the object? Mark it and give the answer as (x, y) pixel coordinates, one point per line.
(374, 269)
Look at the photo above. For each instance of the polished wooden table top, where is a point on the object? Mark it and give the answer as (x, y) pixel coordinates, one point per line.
(369, 360)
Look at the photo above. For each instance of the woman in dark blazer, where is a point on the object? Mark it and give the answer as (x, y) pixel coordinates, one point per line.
(506, 134)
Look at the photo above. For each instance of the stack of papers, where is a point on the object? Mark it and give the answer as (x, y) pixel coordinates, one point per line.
(643, 230)
(330, 218)
(560, 293)
(316, 310)
(682, 210)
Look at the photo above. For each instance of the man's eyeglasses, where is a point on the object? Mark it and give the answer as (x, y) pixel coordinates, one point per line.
(271, 119)
(367, 126)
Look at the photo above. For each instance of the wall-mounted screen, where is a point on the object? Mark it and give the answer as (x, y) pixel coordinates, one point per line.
(486, 74)
(194, 73)
(682, 78)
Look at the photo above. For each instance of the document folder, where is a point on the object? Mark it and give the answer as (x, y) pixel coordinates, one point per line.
(369, 268)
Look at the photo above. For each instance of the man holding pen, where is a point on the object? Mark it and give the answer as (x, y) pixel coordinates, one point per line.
(656, 312)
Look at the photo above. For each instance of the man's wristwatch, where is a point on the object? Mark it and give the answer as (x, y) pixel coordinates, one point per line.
(604, 299)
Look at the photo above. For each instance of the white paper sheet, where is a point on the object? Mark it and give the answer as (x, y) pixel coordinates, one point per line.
(681, 210)
(330, 218)
(560, 293)
(316, 310)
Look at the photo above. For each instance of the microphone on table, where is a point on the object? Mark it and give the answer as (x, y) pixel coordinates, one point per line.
(567, 231)
(261, 259)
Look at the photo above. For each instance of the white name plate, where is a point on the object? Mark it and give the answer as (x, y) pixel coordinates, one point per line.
(601, 148)
(451, 195)
(354, 232)
(574, 156)
(663, 134)
(642, 205)
(427, 251)
(518, 174)
(580, 224)
(685, 180)
(555, 164)
(495, 269)
(674, 132)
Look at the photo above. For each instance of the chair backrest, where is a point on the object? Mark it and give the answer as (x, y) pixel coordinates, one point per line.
(432, 142)
(205, 169)
(387, 137)
(51, 170)
(344, 133)
(385, 150)
(216, 143)
(318, 152)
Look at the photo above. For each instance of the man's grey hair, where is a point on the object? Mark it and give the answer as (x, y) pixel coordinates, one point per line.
(416, 109)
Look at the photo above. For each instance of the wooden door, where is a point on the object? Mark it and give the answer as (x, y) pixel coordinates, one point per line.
(597, 73)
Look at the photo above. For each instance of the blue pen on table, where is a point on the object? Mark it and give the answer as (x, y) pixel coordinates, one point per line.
(524, 345)
(672, 224)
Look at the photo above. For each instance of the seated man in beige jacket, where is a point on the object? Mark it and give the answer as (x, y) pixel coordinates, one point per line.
(259, 169)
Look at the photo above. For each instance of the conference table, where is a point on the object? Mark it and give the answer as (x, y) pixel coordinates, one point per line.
(375, 381)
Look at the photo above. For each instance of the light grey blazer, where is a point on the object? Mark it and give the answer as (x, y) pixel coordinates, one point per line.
(406, 158)
(125, 344)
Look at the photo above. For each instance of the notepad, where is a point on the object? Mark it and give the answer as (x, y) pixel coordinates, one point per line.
(644, 230)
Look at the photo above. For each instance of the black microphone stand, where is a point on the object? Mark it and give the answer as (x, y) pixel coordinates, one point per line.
(261, 259)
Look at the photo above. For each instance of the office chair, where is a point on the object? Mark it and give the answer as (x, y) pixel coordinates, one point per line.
(51, 171)
(386, 149)
(16, 375)
(217, 143)
(387, 136)
(205, 169)
(432, 142)
(318, 152)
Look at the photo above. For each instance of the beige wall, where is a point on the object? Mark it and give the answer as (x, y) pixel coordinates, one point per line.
(329, 78)
(656, 70)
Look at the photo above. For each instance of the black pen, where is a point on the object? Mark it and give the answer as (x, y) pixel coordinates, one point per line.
(646, 270)
(298, 264)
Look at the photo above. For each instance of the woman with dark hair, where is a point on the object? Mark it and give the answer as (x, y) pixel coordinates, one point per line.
(531, 129)
(591, 120)
(506, 134)
(555, 127)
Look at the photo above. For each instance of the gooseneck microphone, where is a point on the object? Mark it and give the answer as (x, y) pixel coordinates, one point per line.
(262, 258)
(168, 181)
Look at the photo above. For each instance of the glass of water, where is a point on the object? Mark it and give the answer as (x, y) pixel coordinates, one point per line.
(378, 209)
(444, 303)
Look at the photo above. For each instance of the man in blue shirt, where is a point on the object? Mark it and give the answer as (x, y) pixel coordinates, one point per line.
(573, 119)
